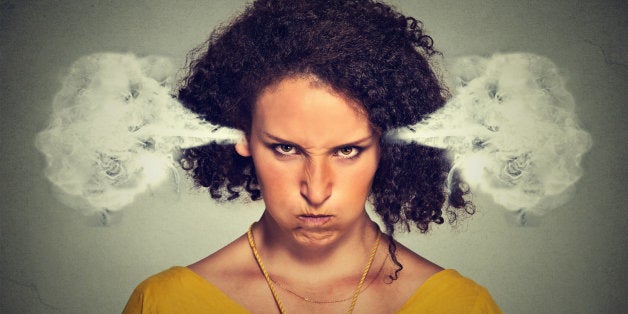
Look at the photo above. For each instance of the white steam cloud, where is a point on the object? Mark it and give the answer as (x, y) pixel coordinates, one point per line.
(511, 130)
(115, 131)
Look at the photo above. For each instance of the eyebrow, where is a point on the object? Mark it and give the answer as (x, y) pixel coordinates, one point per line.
(352, 143)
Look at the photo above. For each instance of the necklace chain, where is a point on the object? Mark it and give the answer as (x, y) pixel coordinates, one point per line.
(311, 300)
(270, 282)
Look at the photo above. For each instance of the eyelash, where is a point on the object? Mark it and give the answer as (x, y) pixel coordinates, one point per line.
(277, 148)
(358, 151)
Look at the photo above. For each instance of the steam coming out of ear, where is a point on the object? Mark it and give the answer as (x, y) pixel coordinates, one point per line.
(115, 130)
(511, 130)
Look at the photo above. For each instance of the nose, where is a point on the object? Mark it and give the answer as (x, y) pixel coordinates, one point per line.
(316, 185)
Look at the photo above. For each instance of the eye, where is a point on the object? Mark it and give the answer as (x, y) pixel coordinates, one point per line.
(285, 149)
(348, 152)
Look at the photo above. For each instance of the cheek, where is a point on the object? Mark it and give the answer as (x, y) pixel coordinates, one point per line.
(278, 184)
(272, 174)
(357, 181)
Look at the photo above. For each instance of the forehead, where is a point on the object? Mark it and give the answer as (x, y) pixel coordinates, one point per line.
(307, 110)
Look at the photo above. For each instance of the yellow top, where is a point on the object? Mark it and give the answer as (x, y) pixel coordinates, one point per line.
(180, 290)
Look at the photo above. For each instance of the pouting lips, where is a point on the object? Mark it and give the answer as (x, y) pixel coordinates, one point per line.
(315, 219)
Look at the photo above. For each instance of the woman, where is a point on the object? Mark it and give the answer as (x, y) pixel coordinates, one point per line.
(315, 86)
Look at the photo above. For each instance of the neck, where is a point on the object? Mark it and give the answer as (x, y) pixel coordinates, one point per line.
(342, 251)
(331, 283)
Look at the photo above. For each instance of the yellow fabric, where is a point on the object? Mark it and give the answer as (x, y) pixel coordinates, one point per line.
(449, 292)
(180, 290)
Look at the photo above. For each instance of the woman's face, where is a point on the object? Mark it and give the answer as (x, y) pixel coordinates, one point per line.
(315, 154)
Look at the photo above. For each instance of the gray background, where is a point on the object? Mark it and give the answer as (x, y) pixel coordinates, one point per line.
(54, 260)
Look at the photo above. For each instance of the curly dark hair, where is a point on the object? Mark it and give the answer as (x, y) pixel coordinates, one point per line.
(364, 50)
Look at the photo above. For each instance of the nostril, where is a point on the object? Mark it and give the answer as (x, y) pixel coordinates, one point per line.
(315, 194)
(316, 186)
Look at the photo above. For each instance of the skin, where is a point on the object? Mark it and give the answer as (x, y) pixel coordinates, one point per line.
(315, 157)
(315, 154)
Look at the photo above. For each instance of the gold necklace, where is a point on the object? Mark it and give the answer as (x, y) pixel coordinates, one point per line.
(311, 300)
(354, 299)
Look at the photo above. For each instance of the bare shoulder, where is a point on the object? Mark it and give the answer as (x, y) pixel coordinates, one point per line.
(230, 262)
(233, 270)
(416, 270)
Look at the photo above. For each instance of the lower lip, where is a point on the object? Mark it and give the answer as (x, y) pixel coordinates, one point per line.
(315, 220)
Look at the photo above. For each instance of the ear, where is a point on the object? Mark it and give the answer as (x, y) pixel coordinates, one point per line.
(242, 147)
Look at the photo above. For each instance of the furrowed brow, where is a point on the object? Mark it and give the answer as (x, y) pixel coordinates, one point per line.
(358, 142)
